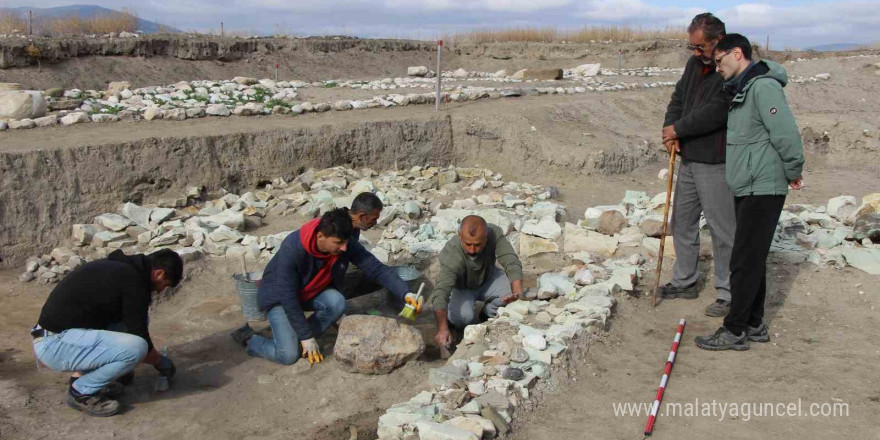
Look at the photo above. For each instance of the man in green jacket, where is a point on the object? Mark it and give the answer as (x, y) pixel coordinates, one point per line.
(765, 156)
(468, 274)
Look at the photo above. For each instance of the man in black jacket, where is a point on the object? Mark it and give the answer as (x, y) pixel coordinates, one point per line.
(695, 127)
(95, 323)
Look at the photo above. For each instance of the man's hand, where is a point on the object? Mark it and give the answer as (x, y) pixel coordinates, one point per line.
(510, 298)
(669, 133)
(415, 300)
(797, 183)
(673, 145)
(443, 338)
(311, 350)
(165, 367)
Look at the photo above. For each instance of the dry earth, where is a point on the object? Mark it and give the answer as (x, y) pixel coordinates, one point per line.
(825, 350)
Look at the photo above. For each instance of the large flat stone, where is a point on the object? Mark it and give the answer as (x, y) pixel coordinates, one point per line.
(376, 345)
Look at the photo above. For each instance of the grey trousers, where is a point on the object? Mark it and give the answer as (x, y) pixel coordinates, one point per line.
(462, 302)
(702, 188)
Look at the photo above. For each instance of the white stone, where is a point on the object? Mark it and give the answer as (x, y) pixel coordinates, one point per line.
(842, 207)
(113, 222)
(217, 110)
(22, 104)
(104, 117)
(138, 214)
(535, 342)
(587, 69)
(584, 277)
(578, 239)
(417, 71)
(75, 118)
(545, 228)
(436, 431)
(230, 218)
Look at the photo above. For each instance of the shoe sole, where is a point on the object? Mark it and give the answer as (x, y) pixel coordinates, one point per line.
(75, 405)
(679, 297)
(743, 347)
(762, 339)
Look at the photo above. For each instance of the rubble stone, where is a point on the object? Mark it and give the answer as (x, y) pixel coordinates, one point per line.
(376, 345)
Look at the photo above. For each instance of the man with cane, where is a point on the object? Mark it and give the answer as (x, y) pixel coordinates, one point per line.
(695, 127)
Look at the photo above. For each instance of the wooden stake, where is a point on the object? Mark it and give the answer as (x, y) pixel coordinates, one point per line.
(665, 224)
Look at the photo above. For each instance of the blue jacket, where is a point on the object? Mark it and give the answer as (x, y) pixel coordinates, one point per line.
(292, 268)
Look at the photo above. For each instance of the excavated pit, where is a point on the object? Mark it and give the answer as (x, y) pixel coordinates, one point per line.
(45, 191)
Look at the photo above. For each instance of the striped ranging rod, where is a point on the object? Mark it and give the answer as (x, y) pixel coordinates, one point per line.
(649, 427)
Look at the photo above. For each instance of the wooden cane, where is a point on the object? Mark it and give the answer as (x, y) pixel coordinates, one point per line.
(665, 224)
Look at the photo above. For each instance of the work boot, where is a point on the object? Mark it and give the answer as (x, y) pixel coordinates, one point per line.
(760, 333)
(113, 390)
(668, 291)
(723, 339)
(243, 335)
(96, 405)
(718, 309)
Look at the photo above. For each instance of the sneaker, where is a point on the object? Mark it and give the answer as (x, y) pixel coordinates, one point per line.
(723, 339)
(96, 405)
(760, 333)
(113, 390)
(243, 335)
(668, 291)
(718, 309)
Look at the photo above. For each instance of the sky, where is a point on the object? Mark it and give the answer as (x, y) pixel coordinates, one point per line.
(791, 24)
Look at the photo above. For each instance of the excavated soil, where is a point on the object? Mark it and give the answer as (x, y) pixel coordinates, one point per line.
(592, 146)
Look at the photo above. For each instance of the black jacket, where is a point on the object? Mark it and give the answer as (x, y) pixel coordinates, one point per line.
(101, 293)
(698, 109)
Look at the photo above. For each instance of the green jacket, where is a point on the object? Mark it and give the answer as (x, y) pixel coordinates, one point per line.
(458, 271)
(764, 147)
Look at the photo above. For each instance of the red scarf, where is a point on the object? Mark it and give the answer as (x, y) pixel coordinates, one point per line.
(309, 238)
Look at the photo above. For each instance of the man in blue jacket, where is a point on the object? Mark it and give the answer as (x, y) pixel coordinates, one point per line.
(307, 274)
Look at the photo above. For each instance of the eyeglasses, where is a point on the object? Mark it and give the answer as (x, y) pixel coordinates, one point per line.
(718, 60)
(692, 47)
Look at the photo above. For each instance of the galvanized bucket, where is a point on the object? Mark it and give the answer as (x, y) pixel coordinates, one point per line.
(247, 287)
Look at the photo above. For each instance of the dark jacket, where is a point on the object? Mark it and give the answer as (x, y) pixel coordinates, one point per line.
(292, 268)
(698, 110)
(764, 150)
(102, 293)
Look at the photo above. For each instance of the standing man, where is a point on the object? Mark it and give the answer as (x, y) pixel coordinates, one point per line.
(695, 124)
(468, 274)
(95, 323)
(765, 155)
(306, 274)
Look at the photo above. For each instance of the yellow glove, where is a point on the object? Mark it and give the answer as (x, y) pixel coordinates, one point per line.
(415, 300)
(311, 350)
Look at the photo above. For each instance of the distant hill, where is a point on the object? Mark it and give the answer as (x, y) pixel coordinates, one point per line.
(85, 11)
(835, 47)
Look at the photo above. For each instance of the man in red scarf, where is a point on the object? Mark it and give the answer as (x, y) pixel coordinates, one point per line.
(307, 274)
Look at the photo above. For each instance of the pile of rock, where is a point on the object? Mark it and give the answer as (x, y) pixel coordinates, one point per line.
(497, 366)
(837, 234)
(200, 223)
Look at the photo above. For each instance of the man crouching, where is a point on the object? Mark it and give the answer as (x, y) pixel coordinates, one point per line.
(95, 323)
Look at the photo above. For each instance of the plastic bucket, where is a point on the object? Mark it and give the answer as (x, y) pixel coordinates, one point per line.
(247, 294)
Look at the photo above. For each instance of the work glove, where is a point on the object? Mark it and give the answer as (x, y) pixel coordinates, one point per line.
(165, 367)
(311, 350)
(415, 300)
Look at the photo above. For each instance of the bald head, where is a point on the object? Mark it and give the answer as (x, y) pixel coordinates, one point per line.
(473, 234)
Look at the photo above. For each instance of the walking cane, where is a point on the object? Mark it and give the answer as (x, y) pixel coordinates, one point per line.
(665, 224)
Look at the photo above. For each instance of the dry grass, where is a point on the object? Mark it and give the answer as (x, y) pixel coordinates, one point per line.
(552, 34)
(116, 21)
(10, 23)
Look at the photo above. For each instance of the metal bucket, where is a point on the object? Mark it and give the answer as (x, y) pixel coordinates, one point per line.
(247, 294)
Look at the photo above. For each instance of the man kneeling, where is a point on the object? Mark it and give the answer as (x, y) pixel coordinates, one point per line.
(95, 323)
(307, 274)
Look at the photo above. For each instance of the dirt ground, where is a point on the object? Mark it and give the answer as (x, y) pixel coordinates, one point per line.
(822, 322)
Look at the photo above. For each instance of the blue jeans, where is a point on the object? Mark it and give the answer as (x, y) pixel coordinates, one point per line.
(103, 355)
(462, 302)
(284, 348)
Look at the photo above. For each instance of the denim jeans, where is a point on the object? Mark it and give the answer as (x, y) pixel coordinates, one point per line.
(101, 354)
(462, 302)
(284, 347)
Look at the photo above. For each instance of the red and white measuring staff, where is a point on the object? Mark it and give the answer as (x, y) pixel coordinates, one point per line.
(649, 427)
